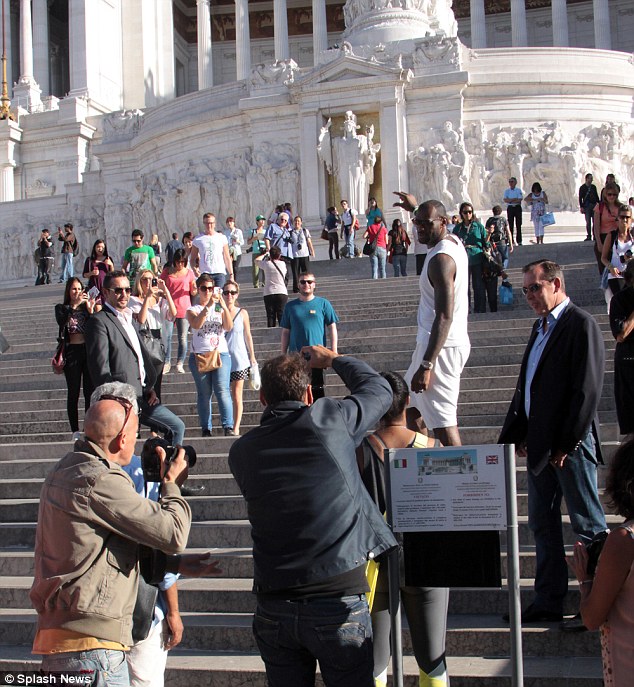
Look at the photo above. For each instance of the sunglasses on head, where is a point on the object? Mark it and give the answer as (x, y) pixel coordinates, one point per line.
(119, 290)
(125, 403)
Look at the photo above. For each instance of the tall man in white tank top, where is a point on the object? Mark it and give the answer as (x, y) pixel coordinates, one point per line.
(442, 340)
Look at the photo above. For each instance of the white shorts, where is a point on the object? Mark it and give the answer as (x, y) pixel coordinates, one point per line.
(438, 406)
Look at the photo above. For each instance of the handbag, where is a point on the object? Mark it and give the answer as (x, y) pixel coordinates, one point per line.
(605, 276)
(548, 219)
(208, 362)
(505, 293)
(154, 347)
(492, 262)
(324, 234)
(369, 247)
(58, 361)
(254, 377)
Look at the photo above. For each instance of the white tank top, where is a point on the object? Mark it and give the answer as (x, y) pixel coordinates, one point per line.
(458, 335)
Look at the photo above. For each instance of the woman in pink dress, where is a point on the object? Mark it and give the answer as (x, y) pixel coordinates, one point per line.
(607, 598)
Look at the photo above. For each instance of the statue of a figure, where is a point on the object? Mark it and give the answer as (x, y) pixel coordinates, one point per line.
(351, 158)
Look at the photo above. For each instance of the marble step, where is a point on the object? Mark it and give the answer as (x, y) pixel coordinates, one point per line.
(237, 533)
(204, 668)
(467, 635)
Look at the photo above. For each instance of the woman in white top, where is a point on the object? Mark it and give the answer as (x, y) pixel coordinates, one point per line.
(537, 199)
(617, 250)
(235, 239)
(275, 289)
(240, 345)
(151, 306)
(209, 321)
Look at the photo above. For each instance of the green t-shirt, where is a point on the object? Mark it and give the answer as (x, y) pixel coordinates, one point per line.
(138, 259)
(307, 321)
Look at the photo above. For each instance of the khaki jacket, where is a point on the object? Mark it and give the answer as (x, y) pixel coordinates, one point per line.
(90, 523)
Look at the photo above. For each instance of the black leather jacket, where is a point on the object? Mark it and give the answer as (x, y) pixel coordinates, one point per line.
(311, 516)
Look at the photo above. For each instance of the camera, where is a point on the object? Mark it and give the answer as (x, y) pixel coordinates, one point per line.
(155, 282)
(151, 463)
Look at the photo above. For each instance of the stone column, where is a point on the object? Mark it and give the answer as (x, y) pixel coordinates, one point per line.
(313, 179)
(41, 45)
(7, 38)
(602, 38)
(560, 23)
(27, 92)
(393, 153)
(320, 29)
(518, 23)
(280, 30)
(10, 137)
(243, 40)
(79, 56)
(478, 24)
(205, 65)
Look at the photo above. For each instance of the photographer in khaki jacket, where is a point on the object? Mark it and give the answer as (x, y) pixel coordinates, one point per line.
(90, 525)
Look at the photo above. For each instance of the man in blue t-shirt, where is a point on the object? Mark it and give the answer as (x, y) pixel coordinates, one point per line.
(305, 322)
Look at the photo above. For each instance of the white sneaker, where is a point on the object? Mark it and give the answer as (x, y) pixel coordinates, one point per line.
(166, 368)
(180, 368)
(77, 435)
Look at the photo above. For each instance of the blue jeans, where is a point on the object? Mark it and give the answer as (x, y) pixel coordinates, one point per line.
(348, 234)
(577, 483)
(589, 213)
(377, 261)
(161, 419)
(182, 326)
(109, 667)
(399, 263)
(216, 382)
(293, 635)
(219, 279)
(68, 269)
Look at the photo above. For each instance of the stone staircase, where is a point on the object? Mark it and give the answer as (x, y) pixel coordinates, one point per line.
(378, 323)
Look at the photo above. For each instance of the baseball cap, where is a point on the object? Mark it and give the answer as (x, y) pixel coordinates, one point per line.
(259, 217)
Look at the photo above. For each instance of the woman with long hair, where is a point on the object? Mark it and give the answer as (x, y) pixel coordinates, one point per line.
(72, 316)
(180, 281)
(96, 267)
(606, 219)
(151, 305)
(210, 321)
(607, 594)
(397, 248)
(240, 344)
(425, 607)
(474, 237)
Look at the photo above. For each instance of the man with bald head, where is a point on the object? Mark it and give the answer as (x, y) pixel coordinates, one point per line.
(90, 524)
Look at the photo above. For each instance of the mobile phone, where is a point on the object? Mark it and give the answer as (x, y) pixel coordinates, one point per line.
(217, 291)
(93, 292)
(155, 282)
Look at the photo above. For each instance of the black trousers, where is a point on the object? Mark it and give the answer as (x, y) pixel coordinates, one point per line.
(274, 305)
(75, 369)
(514, 214)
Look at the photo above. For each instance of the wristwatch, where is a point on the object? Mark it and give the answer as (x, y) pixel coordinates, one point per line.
(427, 365)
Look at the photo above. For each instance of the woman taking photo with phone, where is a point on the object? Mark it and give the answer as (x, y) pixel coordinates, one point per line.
(72, 316)
(151, 306)
(209, 361)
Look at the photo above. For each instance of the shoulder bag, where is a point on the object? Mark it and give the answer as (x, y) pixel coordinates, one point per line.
(58, 361)
(153, 346)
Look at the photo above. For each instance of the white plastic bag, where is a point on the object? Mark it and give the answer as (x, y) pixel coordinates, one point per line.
(254, 377)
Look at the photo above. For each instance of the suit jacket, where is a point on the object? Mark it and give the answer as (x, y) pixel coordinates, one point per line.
(111, 356)
(565, 391)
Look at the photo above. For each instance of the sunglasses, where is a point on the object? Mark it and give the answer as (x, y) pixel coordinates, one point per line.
(625, 216)
(611, 195)
(626, 257)
(534, 288)
(467, 212)
(229, 293)
(205, 289)
(127, 406)
(306, 281)
(119, 290)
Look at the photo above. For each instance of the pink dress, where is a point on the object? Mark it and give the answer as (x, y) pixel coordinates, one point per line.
(617, 633)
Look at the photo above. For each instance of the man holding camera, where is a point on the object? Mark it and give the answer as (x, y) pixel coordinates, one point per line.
(69, 250)
(117, 354)
(45, 259)
(90, 525)
(313, 523)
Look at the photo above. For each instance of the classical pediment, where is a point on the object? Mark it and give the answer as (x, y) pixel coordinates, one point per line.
(346, 66)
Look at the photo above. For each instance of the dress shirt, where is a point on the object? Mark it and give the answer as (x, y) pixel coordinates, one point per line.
(538, 348)
(125, 320)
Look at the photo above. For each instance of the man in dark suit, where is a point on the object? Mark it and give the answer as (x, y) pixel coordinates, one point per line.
(116, 354)
(553, 422)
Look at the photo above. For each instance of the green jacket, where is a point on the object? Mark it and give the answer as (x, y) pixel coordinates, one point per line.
(474, 239)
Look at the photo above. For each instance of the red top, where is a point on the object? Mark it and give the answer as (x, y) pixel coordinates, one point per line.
(378, 231)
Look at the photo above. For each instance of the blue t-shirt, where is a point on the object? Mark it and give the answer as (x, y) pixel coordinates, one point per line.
(307, 321)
